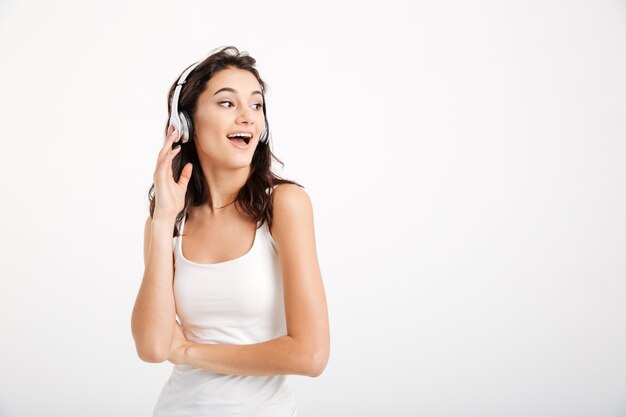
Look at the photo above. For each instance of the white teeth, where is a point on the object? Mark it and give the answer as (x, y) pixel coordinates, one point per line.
(239, 135)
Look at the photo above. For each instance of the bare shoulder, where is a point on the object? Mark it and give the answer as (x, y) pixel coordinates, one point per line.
(292, 212)
(290, 195)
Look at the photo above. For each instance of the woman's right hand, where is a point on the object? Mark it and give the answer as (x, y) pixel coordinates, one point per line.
(170, 195)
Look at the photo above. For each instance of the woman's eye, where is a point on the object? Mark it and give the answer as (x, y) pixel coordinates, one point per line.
(259, 105)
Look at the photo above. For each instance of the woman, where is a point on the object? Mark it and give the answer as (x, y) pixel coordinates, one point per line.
(242, 271)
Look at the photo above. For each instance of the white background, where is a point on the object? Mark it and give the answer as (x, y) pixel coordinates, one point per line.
(466, 163)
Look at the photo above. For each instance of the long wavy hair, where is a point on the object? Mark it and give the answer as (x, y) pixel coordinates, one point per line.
(255, 202)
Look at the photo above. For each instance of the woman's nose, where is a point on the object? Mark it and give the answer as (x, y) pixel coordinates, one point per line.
(246, 116)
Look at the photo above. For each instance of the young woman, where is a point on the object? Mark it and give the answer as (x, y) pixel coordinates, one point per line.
(229, 247)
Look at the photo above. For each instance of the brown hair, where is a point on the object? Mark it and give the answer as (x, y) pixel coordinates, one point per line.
(252, 197)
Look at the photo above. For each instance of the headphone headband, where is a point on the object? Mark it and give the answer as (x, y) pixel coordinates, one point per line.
(176, 119)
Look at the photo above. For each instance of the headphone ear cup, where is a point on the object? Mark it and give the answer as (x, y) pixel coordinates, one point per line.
(186, 129)
(264, 134)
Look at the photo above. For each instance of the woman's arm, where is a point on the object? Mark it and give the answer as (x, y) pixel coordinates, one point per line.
(280, 356)
(155, 310)
(304, 350)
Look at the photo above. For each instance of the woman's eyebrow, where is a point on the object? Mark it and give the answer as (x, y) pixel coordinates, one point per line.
(232, 90)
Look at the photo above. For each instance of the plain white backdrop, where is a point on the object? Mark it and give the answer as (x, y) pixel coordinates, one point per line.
(466, 162)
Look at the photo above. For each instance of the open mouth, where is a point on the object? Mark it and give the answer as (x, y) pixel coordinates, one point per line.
(243, 140)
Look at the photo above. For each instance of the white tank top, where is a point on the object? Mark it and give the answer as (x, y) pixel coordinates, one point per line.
(239, 301)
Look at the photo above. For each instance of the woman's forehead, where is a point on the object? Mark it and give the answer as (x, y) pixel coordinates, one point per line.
(233, 80)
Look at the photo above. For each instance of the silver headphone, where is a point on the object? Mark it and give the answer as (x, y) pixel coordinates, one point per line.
(181, 120)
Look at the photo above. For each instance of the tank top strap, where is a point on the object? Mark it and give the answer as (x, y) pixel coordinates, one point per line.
(265, 227)
(267, 190)
(176, 240)
(266, 232)
(182, 224)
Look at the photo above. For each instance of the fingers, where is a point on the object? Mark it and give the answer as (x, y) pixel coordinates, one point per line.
(185, 175)
(171, 138)
(164, 161)
(168, 160)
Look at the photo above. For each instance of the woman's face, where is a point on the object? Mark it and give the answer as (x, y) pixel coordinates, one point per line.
(231, 102)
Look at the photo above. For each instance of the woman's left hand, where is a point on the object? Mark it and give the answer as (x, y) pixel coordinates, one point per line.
(179, 345)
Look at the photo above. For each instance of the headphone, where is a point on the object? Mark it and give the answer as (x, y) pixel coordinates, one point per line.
(181, 120)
